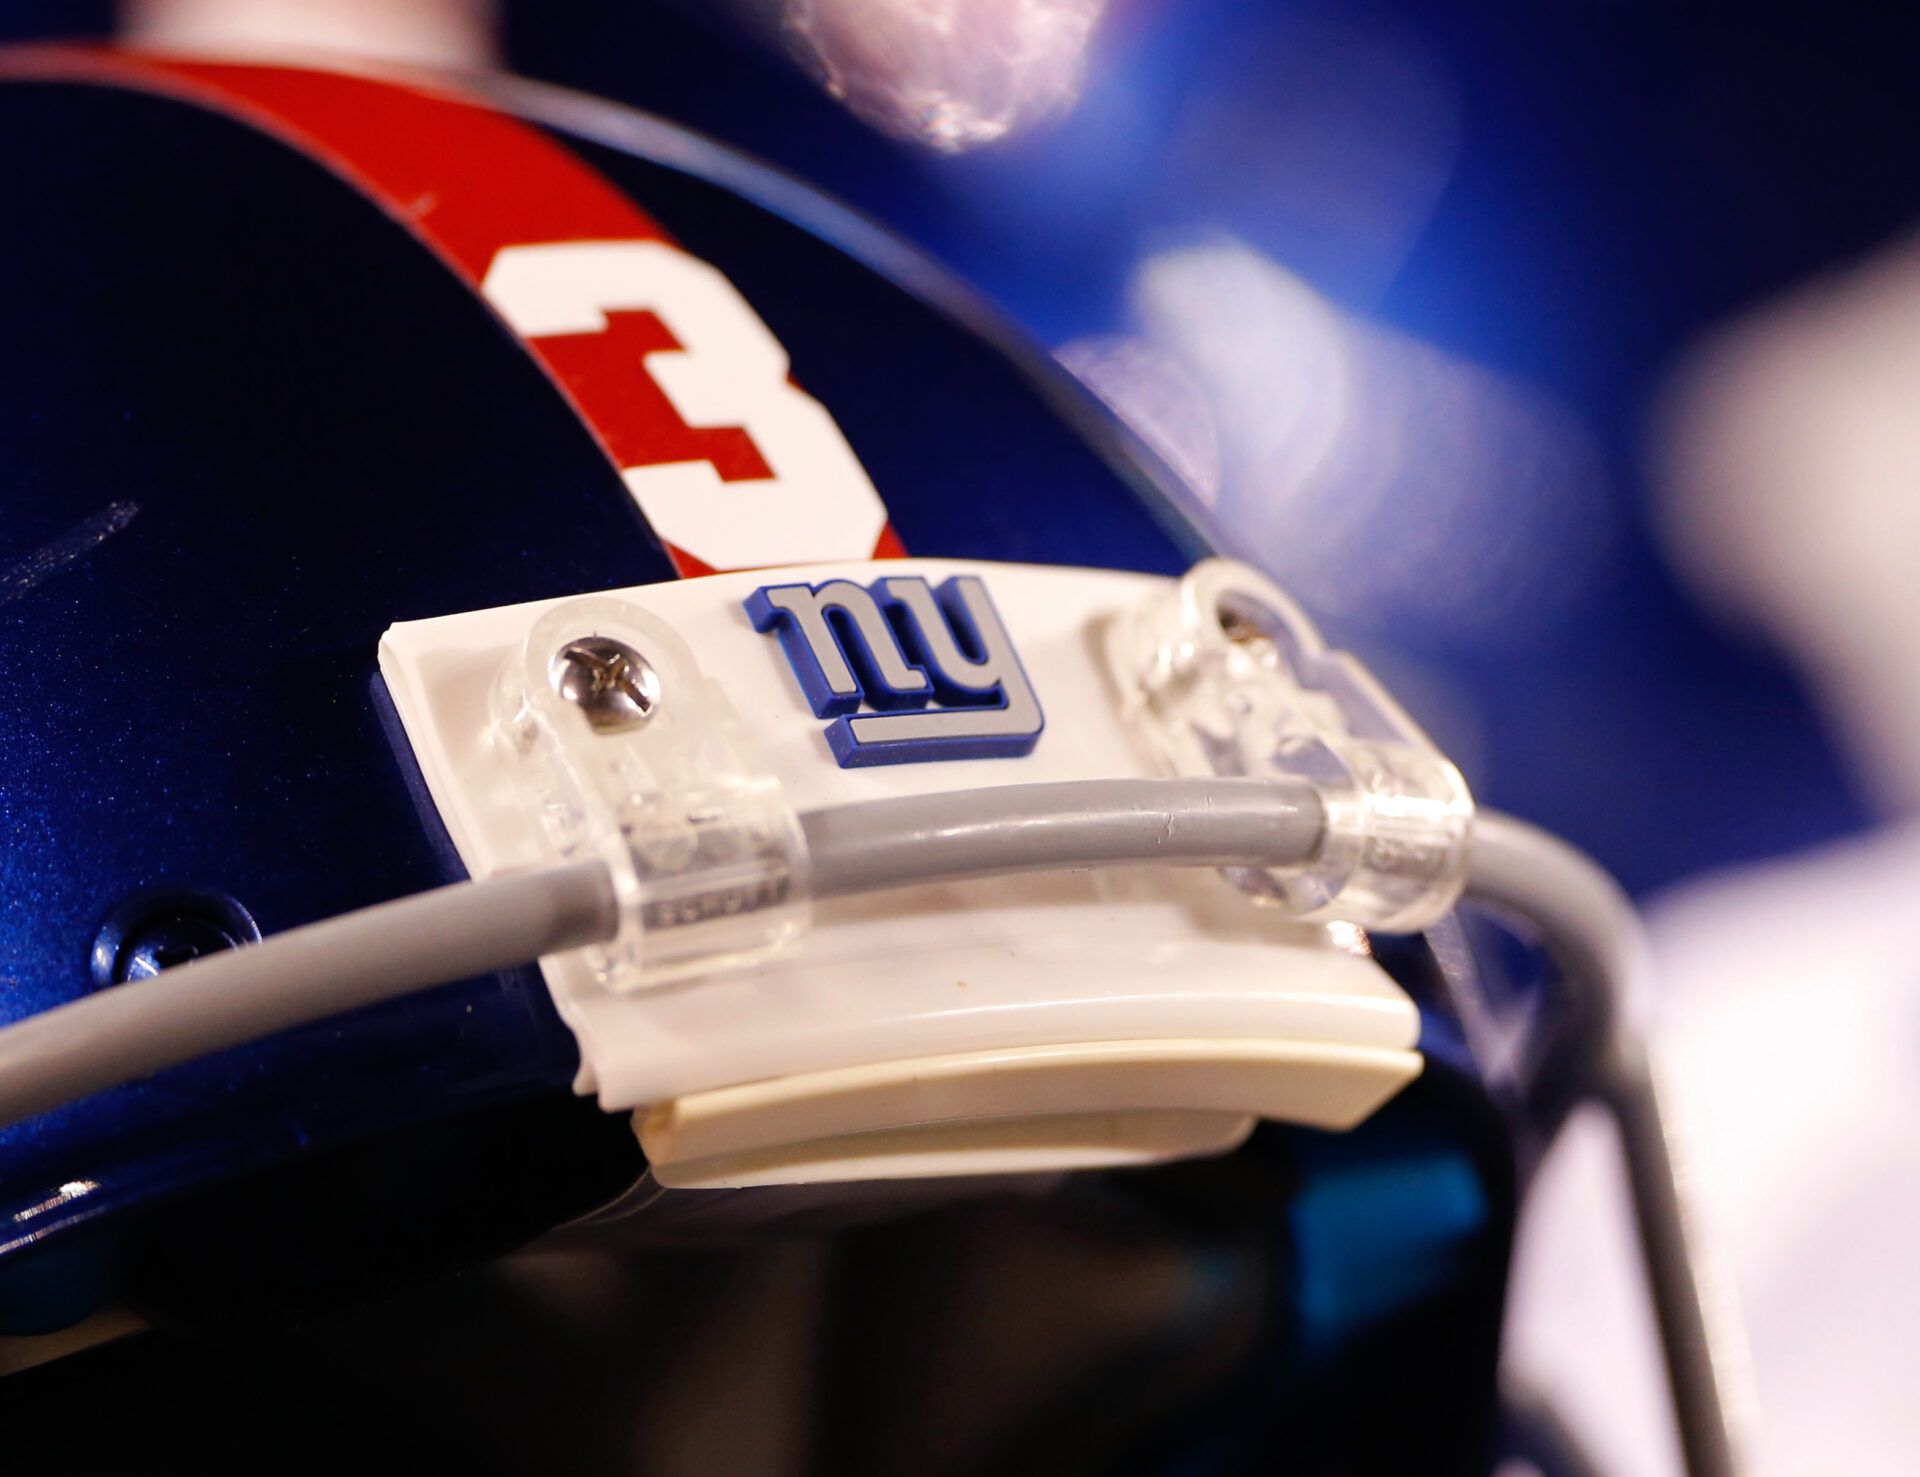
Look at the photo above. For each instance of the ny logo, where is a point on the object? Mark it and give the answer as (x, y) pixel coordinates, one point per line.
(935, 665)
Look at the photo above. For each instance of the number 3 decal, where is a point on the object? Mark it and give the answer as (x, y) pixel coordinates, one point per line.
(729, 460)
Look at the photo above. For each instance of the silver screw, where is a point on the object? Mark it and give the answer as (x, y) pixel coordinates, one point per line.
(610, 682)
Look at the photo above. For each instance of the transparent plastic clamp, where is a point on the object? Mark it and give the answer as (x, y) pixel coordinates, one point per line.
(1225, 675)
(628, 753)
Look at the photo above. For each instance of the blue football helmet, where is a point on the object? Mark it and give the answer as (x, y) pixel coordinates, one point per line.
(830, 792)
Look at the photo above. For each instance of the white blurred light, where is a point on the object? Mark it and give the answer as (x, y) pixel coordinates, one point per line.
(950, 74)
(1791, 458)
(449, 33)
(1791, 1030)
(1580, 1327)
(1788, 450)
(1383, 482)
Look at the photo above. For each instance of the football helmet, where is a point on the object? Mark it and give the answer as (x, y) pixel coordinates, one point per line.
(560, 685)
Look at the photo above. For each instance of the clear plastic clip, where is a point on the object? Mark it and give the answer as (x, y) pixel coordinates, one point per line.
(1225, 675)
(626, 752)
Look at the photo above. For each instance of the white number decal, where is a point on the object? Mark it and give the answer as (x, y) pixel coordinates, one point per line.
(728, 371)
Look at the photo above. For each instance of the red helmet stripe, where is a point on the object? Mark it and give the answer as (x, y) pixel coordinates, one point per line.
(466, 181)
